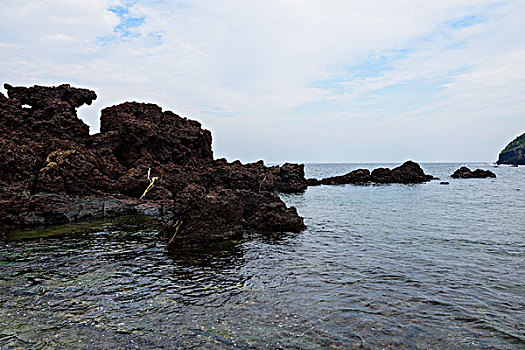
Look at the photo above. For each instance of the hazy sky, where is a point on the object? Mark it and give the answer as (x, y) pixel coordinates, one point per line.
(290, 80)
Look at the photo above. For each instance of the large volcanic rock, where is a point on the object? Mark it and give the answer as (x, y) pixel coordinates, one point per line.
(203, 215)
(407, 173)
(53, 171)
(143, 131)
(514, 153)
(30, 134)
(466, 173)
(51, 113)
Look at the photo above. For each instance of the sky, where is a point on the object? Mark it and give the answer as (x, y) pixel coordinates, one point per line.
(289, 80)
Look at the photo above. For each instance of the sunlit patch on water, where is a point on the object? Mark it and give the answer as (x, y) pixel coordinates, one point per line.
(411, 267)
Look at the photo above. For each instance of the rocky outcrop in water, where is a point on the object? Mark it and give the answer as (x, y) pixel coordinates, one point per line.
(514, 153)
(466, 173)
(52, 171)
(407, 173)
(359, 176)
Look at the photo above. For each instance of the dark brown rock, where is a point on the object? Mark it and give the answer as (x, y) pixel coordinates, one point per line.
(29, 135)
(288, 178)
(466, 173)
(51, 113)
(264, 211)
(359, 176)
(144, 131)
(202, 216)
(313, 182)
(52, 171)
(407, 173)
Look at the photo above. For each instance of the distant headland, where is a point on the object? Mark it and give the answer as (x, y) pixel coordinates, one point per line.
(514, 153)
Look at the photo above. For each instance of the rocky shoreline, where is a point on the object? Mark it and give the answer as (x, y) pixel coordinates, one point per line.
(52, 171)
(145, 161)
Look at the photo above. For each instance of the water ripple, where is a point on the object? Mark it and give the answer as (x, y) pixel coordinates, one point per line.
(390, 266)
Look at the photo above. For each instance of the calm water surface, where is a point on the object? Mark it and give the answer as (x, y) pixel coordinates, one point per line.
(394, 266)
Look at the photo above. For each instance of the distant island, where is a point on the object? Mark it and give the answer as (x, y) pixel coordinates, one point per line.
(514, 153)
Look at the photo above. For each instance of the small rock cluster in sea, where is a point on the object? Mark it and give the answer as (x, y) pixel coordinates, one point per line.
(407, 173)
(466, 173)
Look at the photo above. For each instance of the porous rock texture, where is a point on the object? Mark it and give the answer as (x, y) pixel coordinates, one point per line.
(407, 173)
(53, 171)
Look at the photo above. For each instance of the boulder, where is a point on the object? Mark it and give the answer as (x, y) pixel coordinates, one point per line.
(203, 216)
(407, 173)
(264, 211)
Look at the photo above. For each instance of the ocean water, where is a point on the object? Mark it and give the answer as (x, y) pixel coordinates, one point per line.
(426, 266)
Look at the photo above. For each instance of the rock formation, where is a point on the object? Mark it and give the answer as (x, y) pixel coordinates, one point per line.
(466, 173)
(407, 173)
(514, 153)
(52, 171)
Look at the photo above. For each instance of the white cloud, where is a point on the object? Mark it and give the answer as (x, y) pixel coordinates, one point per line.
(278, 79)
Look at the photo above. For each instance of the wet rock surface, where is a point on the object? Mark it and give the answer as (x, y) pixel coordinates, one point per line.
(52, 171)
(466, 173)
(407, 173)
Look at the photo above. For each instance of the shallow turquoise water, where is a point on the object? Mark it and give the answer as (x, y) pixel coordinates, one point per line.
(392, 266)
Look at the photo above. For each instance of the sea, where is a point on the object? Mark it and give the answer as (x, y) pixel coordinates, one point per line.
(426, 266)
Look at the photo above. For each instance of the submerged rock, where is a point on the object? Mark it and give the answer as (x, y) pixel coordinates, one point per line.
(407, 173)
(514, 153)
(52, 171)
(466, 173)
